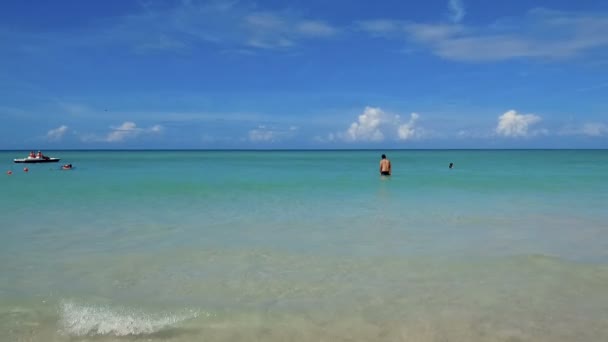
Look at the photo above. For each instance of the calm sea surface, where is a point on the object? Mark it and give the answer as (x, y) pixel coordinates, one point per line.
(305, 246)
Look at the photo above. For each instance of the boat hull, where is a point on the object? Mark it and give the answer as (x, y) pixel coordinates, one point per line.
(36, 160)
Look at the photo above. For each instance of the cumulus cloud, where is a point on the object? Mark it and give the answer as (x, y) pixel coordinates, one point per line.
(57, 133)
(511, 124)
(367, 127)
(408, 130)
(457, 10)
(120, 133)
(375, 125)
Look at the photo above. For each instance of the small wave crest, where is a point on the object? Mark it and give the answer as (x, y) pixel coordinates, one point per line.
(89, 320)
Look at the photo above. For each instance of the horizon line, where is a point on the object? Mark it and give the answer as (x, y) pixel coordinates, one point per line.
(309, 149)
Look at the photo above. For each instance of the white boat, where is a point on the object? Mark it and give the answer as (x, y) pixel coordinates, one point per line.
(36, 160)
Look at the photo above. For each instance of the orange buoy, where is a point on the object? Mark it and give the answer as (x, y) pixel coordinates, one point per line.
(25, 169)
(9, 172)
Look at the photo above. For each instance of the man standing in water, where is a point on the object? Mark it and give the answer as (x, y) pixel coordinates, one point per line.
(385, 166)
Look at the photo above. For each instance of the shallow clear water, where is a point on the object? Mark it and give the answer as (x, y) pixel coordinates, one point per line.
(305, 245)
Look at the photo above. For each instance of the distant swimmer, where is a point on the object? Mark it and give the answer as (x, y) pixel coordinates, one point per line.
(451, 165)
(385, 166)
(66, 167)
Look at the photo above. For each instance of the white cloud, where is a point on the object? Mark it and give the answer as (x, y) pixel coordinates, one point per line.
(257, 135)
(267, 30)
(269, 42)
(367, 128)
(433, 32)
(270, 30)
(594, 129)
(511, 124)
(408, 130)
(265, 21)
(180, 26)
(375, 125)
(120, 133)
(233, 25)
(311, 28)
(591, 129)
(127, 130)
(457, 10)
(57, 133)
(271, 134)
(541, 33)
(156, 129)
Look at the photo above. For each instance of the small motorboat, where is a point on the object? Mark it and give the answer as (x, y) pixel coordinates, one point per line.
(36, 160)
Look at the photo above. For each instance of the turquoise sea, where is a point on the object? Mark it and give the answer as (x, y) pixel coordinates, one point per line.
(510, 245)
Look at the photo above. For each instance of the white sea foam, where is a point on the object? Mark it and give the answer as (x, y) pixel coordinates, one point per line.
(89, 320)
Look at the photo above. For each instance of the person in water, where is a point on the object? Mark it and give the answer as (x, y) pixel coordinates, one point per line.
(67, 167)
(385, 166)
(451, 165)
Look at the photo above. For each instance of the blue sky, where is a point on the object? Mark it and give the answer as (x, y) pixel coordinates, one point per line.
(303, 74)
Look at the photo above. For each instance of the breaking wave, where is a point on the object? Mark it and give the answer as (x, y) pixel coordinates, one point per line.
(90, 320)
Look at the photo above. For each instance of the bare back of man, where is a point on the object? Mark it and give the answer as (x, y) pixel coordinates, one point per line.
(385, 166)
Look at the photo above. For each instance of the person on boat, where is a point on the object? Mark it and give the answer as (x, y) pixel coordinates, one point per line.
(42, 156)
(385, 166)
(32, 155)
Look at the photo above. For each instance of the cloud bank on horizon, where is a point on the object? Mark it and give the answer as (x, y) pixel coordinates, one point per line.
(239, 74)
(511, 124)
